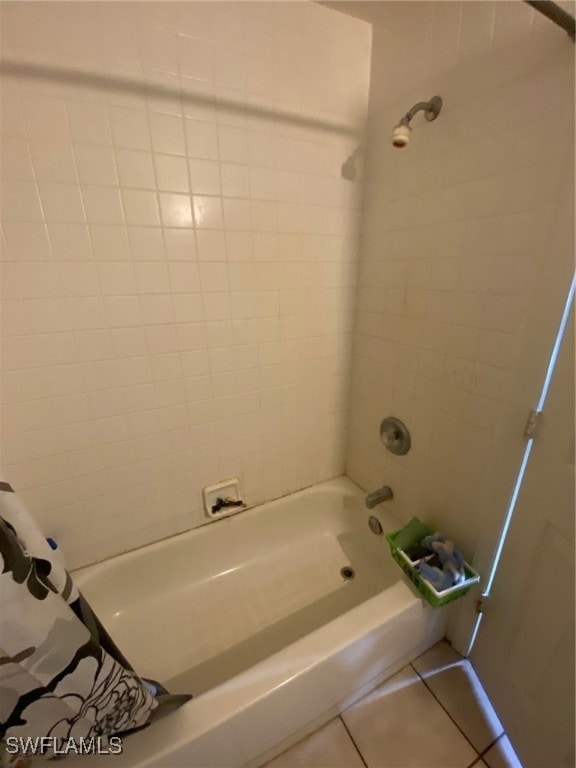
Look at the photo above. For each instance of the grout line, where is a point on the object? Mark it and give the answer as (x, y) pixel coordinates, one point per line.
(353, 742)
(496, 740)
(448, 713)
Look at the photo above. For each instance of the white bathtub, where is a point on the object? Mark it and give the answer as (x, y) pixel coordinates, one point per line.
(252, 616)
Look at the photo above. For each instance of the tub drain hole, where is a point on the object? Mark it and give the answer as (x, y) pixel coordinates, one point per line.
(347, 572)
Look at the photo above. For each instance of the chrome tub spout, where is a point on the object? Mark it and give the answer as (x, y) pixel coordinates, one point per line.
(377, 497)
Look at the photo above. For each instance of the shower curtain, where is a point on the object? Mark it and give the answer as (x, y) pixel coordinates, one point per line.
(62, 678)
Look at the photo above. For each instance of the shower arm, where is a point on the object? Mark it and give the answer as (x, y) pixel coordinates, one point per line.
(431, 109)
(422, 105)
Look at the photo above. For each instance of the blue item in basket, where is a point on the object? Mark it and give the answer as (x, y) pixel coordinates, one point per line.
(439, 579)
(450, 558)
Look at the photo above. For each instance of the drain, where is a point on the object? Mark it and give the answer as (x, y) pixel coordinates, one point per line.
(347, 573)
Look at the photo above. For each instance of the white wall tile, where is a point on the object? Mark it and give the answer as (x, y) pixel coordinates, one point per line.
(205, 177)
(167, 134)
(54, 123)
(147, 238)
(109, 242)
(151, 277)
(180, 244)
(146, 243)
(172, 173)
(135, 168)
(65, 380)
(123, 312)
(20, 201)
(19, 386)
(62, 202)
(476, 28)
(78, 278)
(70, 242)
(128, 342)
(188, 307)
(233, 144)
(86, 313)
(89, 122)
(130, 128)
(117, 278)
(159, 52)
(95, 165)
(140, 207)
(12, 117)
(195, 56)
(37, 280)
(157, 309)
(53, 160)
(208, 212)
(26, 241)
(103, 205)
(176, 210)
(454, 239)
(47, 315)
(237, 214)
(93, 345)
(201, 139)
(184, 278)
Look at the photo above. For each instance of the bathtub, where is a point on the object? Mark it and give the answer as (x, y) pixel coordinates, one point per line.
(252, 615)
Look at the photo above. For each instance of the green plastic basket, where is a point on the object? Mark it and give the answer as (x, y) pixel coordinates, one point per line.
(435, 598)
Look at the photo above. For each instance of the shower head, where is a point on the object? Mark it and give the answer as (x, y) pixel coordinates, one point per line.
(401, 135)
(401, 132)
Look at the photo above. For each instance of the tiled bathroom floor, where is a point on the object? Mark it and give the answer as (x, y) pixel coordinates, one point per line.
(432, 714)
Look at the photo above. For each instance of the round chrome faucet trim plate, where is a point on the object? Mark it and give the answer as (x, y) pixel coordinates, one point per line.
(395, 436)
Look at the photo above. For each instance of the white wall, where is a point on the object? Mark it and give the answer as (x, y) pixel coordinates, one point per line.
(178, 273)
(457, 234)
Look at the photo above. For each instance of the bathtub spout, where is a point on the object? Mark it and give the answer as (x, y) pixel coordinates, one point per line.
(377, 497)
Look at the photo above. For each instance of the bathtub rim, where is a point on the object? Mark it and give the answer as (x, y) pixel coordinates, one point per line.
(342, 483)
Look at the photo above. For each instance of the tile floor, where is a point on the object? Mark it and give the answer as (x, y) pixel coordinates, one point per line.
(432, 714)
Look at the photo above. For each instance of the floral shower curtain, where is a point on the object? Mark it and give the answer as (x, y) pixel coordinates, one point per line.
(61, 675)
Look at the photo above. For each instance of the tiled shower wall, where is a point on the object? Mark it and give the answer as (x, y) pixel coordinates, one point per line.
(458, 231)
(179, 255)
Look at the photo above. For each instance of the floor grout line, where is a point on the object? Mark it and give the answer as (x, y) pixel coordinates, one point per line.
(353, 742)
(478, 754)
(496, 740)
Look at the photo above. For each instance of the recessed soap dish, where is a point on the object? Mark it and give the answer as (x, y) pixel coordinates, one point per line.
(223, 499)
